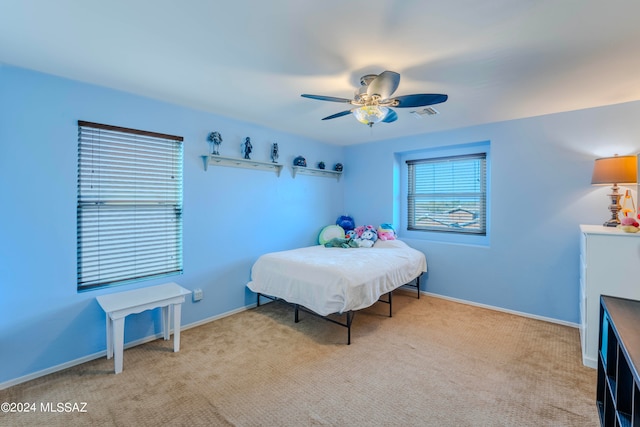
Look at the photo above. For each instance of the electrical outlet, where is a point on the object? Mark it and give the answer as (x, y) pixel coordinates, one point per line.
(197, 295)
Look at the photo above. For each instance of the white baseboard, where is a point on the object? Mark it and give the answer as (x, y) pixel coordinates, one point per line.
(590, 362)
(504, 310)
(219, 316)
(103, 353)
(53, 369)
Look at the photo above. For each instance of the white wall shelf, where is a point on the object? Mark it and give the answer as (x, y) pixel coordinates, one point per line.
(215, 160)
(317, 172)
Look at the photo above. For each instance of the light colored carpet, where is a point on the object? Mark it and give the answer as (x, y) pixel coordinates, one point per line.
(434, 363)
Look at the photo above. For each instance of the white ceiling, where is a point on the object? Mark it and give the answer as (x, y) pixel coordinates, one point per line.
(496, 59)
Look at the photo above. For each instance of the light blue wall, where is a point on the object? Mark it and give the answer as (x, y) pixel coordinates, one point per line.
(231, 216)
(540, 192)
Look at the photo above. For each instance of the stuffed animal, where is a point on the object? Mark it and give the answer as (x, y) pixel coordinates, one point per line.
(358, 231)
(386, 232)
(338, 242)
(362, 228)
(367, 238)
(346, 222)
(329, 232)
(629, 225)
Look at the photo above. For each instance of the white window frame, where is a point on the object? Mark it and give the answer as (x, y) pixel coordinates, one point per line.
(129, 208)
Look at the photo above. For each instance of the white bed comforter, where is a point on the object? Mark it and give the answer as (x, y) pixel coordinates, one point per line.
(336, 280)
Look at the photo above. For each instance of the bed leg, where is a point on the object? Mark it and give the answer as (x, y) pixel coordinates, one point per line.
(258, 303)
(418, 286)
(349, 319)
(390, 304)
(295, 306)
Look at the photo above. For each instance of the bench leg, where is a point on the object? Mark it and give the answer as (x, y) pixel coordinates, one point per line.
(177, 311)
(166, 322)
(109, 337)
(118, 343)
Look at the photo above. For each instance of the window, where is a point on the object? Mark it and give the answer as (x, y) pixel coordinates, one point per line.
(447, 194)
(129, 211)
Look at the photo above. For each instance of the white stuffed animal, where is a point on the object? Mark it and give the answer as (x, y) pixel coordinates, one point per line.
(367, 238)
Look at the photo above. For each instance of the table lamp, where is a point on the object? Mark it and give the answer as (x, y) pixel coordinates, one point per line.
(613, 171)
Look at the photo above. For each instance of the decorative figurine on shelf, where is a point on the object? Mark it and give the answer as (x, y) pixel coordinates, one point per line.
(274, 152)
(321, 165)
(247, 148)
(300, 161)
(338, 167)
(216, 139)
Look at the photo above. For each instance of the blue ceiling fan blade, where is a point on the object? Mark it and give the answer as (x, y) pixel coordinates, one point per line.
(326, 98)
(340, 114)
(391, 116)
(419, 100)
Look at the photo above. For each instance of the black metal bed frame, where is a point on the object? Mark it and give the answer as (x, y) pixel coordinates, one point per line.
(414, 284)
(349, 314)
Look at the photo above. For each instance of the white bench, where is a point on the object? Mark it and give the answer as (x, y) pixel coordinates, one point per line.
(117, 306)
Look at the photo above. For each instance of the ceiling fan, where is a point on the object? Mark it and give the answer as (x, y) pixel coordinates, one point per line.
(373, 100)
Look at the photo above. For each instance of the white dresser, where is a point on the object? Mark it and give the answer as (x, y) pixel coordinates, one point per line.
(609, 265)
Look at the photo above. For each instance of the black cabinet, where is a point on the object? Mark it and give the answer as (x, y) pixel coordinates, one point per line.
(618, 389)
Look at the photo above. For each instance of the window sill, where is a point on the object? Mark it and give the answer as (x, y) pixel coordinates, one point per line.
(445, 237)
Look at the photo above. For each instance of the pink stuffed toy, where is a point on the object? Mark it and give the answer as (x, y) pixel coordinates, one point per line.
(386, 232)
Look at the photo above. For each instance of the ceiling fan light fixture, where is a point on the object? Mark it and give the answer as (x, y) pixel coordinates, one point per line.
(370, 114)
(373, 102)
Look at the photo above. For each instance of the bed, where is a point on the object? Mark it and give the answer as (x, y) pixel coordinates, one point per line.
(326, 281)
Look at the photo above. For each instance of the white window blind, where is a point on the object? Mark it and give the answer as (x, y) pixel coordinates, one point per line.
(448, 194)
(129, 211)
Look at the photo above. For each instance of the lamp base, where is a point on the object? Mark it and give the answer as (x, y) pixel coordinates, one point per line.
(614, 207)
(612, 223)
